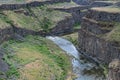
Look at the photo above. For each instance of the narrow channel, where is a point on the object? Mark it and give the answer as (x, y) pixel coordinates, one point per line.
(77, 63)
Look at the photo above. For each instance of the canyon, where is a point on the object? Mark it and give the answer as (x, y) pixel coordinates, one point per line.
(21, 22)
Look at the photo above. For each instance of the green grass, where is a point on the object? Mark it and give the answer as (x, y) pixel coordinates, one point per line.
(77, 26)
(4, 21)
(36, 59)
(2, 79)
(72, 38)
(37, 18)
(114, 35)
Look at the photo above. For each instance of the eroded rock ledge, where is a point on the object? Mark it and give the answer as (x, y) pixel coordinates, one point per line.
(97, 34)
(32, 3)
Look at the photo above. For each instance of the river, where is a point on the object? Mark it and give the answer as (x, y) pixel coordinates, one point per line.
(78, 64)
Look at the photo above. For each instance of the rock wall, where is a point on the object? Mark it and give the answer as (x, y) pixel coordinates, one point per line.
(76, 11)
(29, 4)
(94, 27)
(103, 15)
(6, 33)
(63, 27)
(97, 47)
(95, 3)
(83, 2)
(102, 3)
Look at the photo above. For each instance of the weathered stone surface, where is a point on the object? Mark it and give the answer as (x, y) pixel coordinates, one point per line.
(96, 27)
(97, 47)
(114, 70)
(29, 4)
(63, 27)
(92, 36)
(102, 3)
(6, 34)
(103, 15)
(76, 11)
(83, 2)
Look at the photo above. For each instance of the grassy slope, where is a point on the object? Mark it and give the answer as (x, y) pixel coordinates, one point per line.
(35, 18)
(73, 37)
(4, 22)
(18, 1)
(36, 59)
(64, 5)
(114, 35)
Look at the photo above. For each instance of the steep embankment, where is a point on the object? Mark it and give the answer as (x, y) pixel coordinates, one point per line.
(32, 57)
(18, 62)
(99, 34)
(17, 4)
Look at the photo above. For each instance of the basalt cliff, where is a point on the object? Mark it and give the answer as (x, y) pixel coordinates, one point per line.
(98, 37)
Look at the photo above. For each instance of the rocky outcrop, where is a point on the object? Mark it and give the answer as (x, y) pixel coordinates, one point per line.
(63, 27)
(95, 3)
(77, 11)
(102, 3)
(6, 33)
(114, 70)
(95, 27)
(83, 2)
(92, 36)
(103, 14)
(3, 66)
(29, 4)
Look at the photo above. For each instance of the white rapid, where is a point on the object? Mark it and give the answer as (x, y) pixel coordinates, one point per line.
(78, 65)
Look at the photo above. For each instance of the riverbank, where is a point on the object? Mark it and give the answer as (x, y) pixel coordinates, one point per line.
(84, 70)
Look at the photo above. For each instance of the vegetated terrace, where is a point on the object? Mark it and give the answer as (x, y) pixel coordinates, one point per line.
(36, 18)
(35, 58)
(114, 34)
(19, 1)
(64, 5)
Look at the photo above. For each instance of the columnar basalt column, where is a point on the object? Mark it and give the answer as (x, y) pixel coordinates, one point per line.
(114, 70)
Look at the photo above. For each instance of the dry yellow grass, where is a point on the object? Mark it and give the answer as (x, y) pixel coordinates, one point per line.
(107, 9)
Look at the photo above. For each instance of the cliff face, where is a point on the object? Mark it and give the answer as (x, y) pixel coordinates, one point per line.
(93, 37)
(33, 3)
(39, 20)
(104, 14)
(64, 26)
(100, 3)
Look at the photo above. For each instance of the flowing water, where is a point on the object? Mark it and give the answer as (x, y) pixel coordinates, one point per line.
(77, 63)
